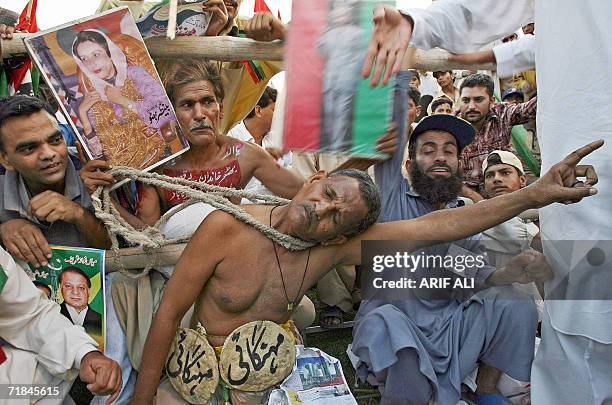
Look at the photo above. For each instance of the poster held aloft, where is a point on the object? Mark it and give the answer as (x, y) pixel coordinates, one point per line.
(190, 19)
(105, 82)
(330, 107)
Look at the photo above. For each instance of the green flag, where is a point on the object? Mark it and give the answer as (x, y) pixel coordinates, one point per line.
(3, 278)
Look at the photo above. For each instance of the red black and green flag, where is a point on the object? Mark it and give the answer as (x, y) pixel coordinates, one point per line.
(330, 107)
(17, 75)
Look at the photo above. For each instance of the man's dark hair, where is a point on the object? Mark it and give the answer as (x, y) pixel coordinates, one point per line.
(371, 198)
(478, 80)
(268, 97)
(441, 72)
(189, 70)
(439, 101)
(415, 73)
(414, 94)
(20, 106)
(76, 270)
(90, 36)
(40, 284)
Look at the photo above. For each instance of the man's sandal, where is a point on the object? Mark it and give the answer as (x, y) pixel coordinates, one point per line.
(331, 317)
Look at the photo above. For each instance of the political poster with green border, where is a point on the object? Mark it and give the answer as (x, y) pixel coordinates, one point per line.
(74, 278)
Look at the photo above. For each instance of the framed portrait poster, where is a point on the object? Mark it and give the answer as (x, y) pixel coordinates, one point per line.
(106, 84)
(74, 278)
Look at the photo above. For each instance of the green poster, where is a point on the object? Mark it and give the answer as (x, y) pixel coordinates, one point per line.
(74, 278)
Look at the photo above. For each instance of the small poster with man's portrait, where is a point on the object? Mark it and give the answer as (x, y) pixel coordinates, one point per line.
(104, 79)
(330, 107)
(74, 278)
(191, 19)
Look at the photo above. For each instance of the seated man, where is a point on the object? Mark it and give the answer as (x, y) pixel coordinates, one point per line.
(41, 346)
(247, 277)
(420, 357)
(43, 199)
(503, 174)
(195, 89)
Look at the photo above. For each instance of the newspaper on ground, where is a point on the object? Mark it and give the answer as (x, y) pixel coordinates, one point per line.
(317, 379)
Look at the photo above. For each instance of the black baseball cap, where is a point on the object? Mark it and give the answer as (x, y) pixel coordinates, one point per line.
(511, 91)
(462, 130)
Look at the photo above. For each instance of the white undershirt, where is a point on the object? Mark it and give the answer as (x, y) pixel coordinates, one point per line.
(78, 318)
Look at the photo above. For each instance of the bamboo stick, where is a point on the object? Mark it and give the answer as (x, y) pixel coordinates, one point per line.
(237, 49)
(136, 258)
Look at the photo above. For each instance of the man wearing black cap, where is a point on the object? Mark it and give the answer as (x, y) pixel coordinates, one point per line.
(421, 351)
(513, 96)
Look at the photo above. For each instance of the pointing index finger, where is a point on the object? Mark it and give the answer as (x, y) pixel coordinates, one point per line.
(577, 155)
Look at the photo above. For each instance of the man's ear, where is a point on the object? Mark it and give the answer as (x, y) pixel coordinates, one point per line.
(321, 174)
(4, 161)
(338, 240)
(418, 110)
(221, 110)
(258, 111)
(408, 165)
(523, 180)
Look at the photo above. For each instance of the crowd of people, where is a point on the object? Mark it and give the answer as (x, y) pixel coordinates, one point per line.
(464, 175)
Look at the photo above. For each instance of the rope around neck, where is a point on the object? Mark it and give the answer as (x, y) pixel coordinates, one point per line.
(152, 239)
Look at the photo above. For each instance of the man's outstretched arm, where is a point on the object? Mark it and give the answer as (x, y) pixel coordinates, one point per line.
(280, 181)
(559, 184)
(458, 26)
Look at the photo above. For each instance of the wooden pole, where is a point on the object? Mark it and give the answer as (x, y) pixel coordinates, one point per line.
(222, 48)
(236, 49)
(135, 258)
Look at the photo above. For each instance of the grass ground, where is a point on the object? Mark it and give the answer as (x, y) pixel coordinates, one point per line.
(334, 342)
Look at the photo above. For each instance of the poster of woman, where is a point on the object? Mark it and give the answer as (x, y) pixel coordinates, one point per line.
(105, 81)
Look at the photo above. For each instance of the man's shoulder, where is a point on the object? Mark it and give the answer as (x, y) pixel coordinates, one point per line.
(499, 109)
(92, 315)
(217, 222)
(9, 194)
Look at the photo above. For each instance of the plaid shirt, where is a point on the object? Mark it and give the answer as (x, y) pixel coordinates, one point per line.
(495, 134)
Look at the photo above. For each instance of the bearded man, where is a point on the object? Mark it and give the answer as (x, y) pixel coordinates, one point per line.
(426, 346)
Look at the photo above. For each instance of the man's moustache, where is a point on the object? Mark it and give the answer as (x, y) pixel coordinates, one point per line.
(200, 125)
(441, 165)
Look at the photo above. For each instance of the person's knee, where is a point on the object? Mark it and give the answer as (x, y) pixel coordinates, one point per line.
(304, 314)
(524, 309)
(404, 382)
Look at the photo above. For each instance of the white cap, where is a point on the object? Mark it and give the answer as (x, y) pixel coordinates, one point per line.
(506, 157)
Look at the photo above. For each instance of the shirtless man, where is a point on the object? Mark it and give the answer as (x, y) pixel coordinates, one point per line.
(195, 89)
(238, 281)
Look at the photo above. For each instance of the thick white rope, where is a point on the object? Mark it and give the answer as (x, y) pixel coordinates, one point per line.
(152, 239)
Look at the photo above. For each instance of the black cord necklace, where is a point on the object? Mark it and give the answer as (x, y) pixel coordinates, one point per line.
(290, 304)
